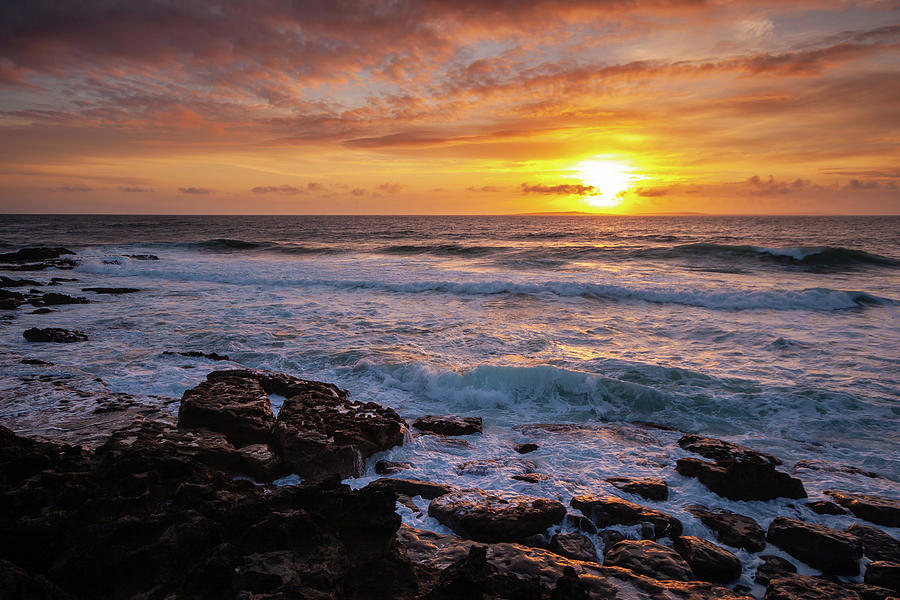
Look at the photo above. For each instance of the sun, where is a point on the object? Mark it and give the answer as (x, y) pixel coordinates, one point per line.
(609, 178)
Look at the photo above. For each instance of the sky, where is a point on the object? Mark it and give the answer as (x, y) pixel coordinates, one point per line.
(450, 107)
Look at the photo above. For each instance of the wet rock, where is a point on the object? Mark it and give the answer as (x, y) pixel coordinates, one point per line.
(650, 559)
(111, 290)
(195, 354)
(824, 507)
(54, 334)
(412, 487)
(6, 282)
(386, 467)
(875, 509)
(531, 477)
(485, 517)
(569, 587)
(7, 295)
(448, 424)
(473, 577)
(319, 432)
(33, 254)
(10, 303)
(831, 467)
(581, 523)
(61, 280)
(876, 544)
(526, 448)
(772, 567)
(513, 466)
(610, 537)
(821, 547)
(736, 530)
(35, 361)
(799, 587)
(722, 451)
(871, 592)
(742, 480)
(237, 407)
(884, 574)
(573, 545)
(54, 299)
(708, 561)
(42, 311)
(142, 256)
(112, 262)
(610, 510)
(646, 487)
(18, 584)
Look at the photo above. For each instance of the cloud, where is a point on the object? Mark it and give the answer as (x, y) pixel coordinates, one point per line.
(196, 191)
(391, 188)
(770, 185)
(358, 192)
(858, 184)
(484, 188)
(135, 190)
(65, 187)
(562, 189)
(276, 189)
(651, 192)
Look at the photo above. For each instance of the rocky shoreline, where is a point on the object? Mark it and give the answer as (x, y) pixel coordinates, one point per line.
(154, 506)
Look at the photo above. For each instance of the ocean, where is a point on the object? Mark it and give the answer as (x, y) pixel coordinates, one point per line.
(781, 333)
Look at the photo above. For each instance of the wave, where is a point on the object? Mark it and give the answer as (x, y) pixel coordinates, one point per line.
(810, 256)
(225, 245)
(442, 249)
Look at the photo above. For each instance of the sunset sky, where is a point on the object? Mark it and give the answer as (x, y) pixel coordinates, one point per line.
(450, 107)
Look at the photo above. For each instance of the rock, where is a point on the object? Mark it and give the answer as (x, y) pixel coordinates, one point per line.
(871, 592)
(111, 290)
(610, 537)
(610, 510)
(319, 432)
(876, 544)
(10, 303)
(772, 567)
(531, 477)
(875, 509)
(54, 299)
(195, 354)
(142, 256)
(736, 530)
(7, 295)
(573, 545)
(799, 587)
(513, 466)
(486, 517)
(742, 480)
(824, 507)
(581, 523)
(824, 548)
(448, 424)
(54, 334)
(35, 361)
(386, 467)
(19, 584)
(6, 282)
(412, 487)
(831, 467)
(650, 559)
(235, 406)
(569, 587)
(722, 451)
(61, 280)
(526, 448)
(42, 311)
(33, 254)
(647, 487)
(708, 561)
(112, 262)
(473, 577)
(883, 573)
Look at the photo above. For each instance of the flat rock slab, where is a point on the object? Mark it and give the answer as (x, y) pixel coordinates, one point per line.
(54, 334)
(876, 544)
(54, 299)
(821, 547)
(799, 587)
(722, 451)
(742, 480)
(412, 487)
(738, 531)
(485, 517)
(646, 487)
(33, 254)
(772, 568)
(111, 290)
(875, 509)
(490, 466)
(611, 510)
(448, 424)
(884, 574)
(824, 507)
(650, 559)
(708, 561)
(235, 406)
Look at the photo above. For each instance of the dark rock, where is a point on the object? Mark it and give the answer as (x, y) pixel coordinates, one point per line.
(7, 295)
(19, 584)
(513, 466)
(235, 406)
(531, 477)
(799, 587)
(54, 334)
(35, 361)
(875, 509)
(647, 487)
(569, 587)
(473, 577)
(10, 304)
(143, 256)
(6, 282)
(526, 448)
(112, 262)
(722, 451)
(824, 507)
(412, 487)
(573, 545)
(871, 592)
(652, 425)
(736, 530)
(581, 523)
(33, 254)
(610, 537)
(386, 467)
(876, 544)
(884, 574)
(748, 480)
(42, 311)
(54, 299)
(196, 354)
(821, 547)
(772, 567)
(448, 424)
(61, 280)
(610, 510)
(824, 465)
(112, 290)
(650, 559)
(319, 432)
(486, 517)
(708, 561)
